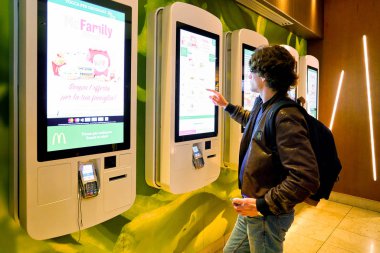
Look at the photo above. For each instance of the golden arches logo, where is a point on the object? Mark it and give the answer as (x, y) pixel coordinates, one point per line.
(57, 137)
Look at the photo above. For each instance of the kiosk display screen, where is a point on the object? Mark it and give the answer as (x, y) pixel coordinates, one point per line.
(197, 61)
(292, 93)
(248, 96)
(84, 55)
(312, 91)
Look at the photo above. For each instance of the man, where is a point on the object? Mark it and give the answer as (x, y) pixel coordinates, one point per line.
(270, 190)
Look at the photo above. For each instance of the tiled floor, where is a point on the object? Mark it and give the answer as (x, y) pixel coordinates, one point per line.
(330, 227)
(333, 227)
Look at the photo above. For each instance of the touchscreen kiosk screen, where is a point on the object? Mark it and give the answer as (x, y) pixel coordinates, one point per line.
(292, 93)
(249, 96)
(83, 77)
(312, 90)
(197, 61)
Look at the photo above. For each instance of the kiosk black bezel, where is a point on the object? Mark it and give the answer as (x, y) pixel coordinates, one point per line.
(42, 122)
(181, 26)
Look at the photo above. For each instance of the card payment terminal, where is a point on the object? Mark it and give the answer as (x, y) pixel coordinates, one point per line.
(198, 161)
(88, 180)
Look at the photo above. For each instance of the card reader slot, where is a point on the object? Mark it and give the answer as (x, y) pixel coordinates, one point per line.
(117, 177)
(211, 156)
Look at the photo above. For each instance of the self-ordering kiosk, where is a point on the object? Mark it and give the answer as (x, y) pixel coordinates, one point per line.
(239, 47)
(309, 83)
(183, 136)
(74, 135)
(293, 91)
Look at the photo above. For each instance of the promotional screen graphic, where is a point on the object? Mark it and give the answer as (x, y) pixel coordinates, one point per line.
(85, 75)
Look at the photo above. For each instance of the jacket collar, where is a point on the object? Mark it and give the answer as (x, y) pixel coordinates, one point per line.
(276, 97)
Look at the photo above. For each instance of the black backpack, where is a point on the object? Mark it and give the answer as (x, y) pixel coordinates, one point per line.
(322, 142)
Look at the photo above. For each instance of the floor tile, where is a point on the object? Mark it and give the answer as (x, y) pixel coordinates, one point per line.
(328, 248)
(334, 207)
(314, 229)
(356, 212)
(351, 242)
(297, 243)
(321, 215)
(362, 222)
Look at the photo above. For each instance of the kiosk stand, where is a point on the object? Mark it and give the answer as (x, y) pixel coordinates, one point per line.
(293, 93)
(239, 47)
(183, 137)
(75, 134)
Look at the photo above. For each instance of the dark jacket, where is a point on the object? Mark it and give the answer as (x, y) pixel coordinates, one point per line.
(278, 187)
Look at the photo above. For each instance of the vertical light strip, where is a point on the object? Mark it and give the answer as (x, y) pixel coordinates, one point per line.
(336, 99)
(369, 107)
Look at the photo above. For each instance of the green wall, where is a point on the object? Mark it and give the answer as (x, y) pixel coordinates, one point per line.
(158, 221)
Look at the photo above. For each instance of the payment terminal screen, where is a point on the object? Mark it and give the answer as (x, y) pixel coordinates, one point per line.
(88, 172)
(84, 72)
(196, 71)
(312, 91)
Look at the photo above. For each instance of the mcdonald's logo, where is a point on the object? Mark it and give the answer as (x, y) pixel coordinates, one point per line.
(57, 137)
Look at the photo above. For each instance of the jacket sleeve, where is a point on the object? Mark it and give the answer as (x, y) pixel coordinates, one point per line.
(297, 157)
(238, 113)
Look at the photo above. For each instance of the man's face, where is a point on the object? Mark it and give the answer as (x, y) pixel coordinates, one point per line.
(256, 82)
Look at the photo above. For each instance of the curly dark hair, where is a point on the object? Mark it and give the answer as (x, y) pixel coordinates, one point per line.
(276, 65)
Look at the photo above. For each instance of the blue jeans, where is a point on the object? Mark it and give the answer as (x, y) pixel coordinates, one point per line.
(259, 234)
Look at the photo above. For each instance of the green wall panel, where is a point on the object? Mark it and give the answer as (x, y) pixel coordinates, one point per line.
(158, 221)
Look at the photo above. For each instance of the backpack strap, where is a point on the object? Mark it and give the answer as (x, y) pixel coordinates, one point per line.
(270, 122)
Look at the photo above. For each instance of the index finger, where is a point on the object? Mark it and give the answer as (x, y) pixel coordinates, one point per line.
(213, 91)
